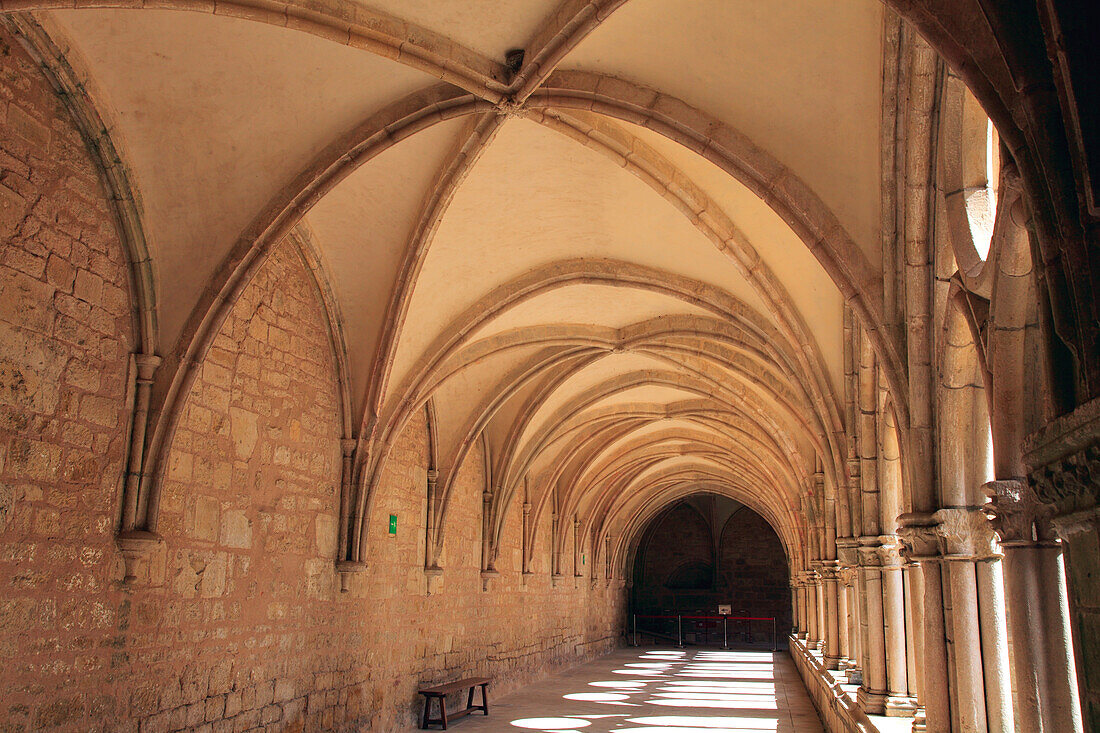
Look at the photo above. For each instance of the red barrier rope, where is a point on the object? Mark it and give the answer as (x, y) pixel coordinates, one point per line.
(714, 618)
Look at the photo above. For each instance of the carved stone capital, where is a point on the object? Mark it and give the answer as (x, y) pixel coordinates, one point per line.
(889, 551)
(829, 570)
(347, 446)
(146, 366)
(919, 541)
(1064, 458)
(848, 576)
(1015, 512)
(346, 569)
(869, 557)
(966, 534)
(135, 547)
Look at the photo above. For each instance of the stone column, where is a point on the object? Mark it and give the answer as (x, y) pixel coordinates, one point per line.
(813, 632)
(872, 693)
(819, 586)
(831, 612)
(898, 701)
(849, 562)
(796, 609)
(1042, 663)
(843, 640)
(803, 616)
(978, 620)
(921, 550)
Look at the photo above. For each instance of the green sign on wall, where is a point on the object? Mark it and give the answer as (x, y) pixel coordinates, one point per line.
(393, 524)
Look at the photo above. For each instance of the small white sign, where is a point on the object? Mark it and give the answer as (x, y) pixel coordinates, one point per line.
(725, 610)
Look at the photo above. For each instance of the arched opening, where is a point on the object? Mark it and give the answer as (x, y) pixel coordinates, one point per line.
(704, 557)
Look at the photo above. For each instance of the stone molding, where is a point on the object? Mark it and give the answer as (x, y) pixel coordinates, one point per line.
(846, 551)
(966, 534)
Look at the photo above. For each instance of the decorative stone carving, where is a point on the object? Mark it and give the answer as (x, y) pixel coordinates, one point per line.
(1015, 512)
(346, 569)
(890, 551)
(966, 534)
(919, 540)
(1064, 458)
(869, 557)
(1072, 482)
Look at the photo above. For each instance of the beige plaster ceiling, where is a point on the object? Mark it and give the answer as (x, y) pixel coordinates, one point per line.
(562, 281)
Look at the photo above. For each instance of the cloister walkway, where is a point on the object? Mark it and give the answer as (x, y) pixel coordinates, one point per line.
(660, 691)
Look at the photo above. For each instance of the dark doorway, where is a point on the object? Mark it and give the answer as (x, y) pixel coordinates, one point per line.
(702, 553)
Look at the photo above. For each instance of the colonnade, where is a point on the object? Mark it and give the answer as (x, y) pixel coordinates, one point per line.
(1000, 586)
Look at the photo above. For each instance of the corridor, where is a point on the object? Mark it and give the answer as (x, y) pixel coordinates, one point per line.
(659, 691)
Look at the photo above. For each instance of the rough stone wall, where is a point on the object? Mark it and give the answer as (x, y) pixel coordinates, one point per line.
(237, 624)
(65, 339)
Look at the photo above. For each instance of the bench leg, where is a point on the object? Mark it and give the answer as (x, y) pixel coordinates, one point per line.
(470, 699)
(443, 711)
(484, 698)
(427, 712)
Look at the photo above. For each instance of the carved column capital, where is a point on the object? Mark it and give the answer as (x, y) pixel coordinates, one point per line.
(1072, 481)
(890, 551)
(1064, 460)
(1015, 512)
(966, 534)
(869, 557)
(146, 366)
(917, 534)
(347, 446)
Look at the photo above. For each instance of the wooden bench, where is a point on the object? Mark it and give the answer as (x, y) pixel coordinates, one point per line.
(440, 692)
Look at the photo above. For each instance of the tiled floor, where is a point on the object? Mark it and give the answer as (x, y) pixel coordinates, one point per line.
(659, 691)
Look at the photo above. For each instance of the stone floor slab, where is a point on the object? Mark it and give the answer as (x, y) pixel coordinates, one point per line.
(660, 691)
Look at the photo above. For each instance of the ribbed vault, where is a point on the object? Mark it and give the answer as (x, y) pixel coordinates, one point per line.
(622, 280)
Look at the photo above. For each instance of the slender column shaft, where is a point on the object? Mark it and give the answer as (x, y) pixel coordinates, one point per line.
(843, 638)
(966, 635)
(991, 610)
(872, 693)
(898, 702)
(813, 637)
(910, 633)
(832, 621)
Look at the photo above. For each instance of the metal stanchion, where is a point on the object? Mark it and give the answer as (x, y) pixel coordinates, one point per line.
(775, 639)
(635, 629)
(680, 632)
(725, 635)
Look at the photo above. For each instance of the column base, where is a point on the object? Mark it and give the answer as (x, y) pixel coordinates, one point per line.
(900, 706)
(920, 724)
(854, 675)
(832, 662)
(873, 702)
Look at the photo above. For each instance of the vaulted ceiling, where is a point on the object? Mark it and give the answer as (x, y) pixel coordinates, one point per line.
(622, 271)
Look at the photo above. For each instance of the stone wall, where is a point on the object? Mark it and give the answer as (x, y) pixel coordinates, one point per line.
(65, 340)
(237, 624)
(750, 567)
